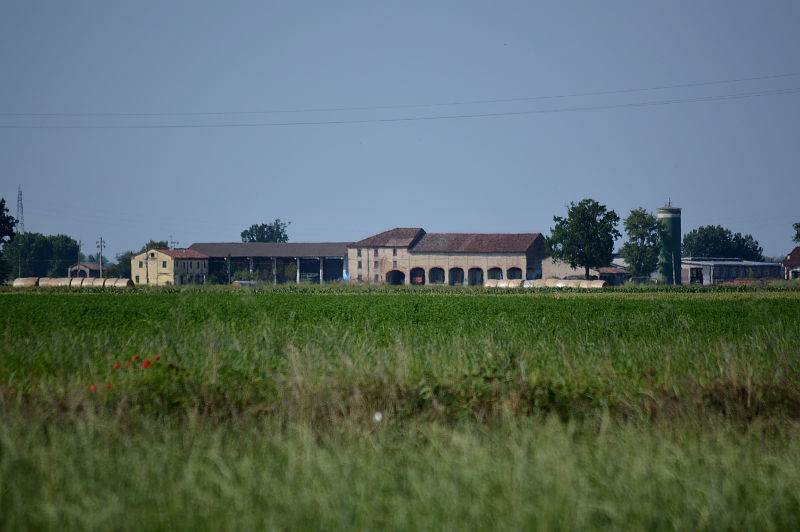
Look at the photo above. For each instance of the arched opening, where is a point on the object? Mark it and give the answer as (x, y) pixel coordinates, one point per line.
(396, 277)
(475, 277)
(495, 273)
(436, 276)
(514, 273)
(417, 276)
(456, 277)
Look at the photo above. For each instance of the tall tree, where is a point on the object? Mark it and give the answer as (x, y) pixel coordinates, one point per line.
(796, 232)
(64, 252)
(271, 232)
(585, 237)
(717, 241)
(644, 242)
(7, 224)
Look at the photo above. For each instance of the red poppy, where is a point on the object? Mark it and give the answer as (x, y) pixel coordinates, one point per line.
(108, 386)
(135, 357)
(146, 364)
(127, 364)
(116, 366)
(157, 357)
(92, 388)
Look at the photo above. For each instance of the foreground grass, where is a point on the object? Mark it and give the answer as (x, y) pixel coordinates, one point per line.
(510, 475)
(630, 410)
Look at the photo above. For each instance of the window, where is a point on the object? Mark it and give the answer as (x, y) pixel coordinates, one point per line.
(140, 264)
(137, 278)
(163, 264)
(360, 278)
(394, 252)
(394, 264)
(375, 252)
(359, 265)
(377, 278)
(152, 255)
(375, 265)
(359, 253)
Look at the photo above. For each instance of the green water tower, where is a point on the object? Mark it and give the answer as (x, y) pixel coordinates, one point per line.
(669, 260)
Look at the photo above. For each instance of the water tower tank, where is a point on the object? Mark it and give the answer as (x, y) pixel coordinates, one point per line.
(669, 260)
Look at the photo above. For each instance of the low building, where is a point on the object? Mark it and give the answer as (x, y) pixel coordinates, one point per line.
(84, 270)
(162, 267)
(791, 264)
(614, 274)
(409, 255)
(309, 262)
(711, 270)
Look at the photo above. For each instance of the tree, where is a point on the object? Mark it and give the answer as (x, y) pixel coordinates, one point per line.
(154, 244)
(7, 224)
(644, 243)
(796, 232)
(586, 236)
(271, 232)
(64, 252)
(717, 241)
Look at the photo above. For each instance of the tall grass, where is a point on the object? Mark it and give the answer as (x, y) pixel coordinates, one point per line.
(497, 410)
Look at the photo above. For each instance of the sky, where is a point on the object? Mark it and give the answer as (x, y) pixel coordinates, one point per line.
(350, 118)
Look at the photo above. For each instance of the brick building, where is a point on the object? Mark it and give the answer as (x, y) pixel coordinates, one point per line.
(409, 255)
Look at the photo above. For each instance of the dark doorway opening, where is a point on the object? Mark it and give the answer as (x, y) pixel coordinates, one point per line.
(475, 277)
(456, 277)
(436, 276)
(417, 276)
(396, 277)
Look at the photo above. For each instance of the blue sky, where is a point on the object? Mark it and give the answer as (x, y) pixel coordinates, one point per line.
(732, 162)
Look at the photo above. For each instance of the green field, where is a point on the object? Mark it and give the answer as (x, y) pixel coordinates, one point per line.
(259, 408)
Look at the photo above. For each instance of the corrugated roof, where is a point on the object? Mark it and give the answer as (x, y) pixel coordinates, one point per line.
(613, 270)
(402, 237)
(792, 259)
(182, 253)
(724, 262)
(272, 249)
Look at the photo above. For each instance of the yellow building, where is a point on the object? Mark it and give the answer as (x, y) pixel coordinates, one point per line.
(160, 267)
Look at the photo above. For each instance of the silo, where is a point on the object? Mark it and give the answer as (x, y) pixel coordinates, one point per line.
(669, 260)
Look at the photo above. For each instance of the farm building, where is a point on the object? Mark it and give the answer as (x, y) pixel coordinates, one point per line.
(161, 267)
(409, 255)
(791, 264)
(709, 270)
(84, 269)
(275, 262)
(614, 274)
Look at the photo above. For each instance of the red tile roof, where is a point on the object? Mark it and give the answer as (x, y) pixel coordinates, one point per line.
(475, 242)
(401, 237)
(182, 253)
(792, 259)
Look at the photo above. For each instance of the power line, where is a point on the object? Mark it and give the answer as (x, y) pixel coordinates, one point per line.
(411, 106)
(651, 103)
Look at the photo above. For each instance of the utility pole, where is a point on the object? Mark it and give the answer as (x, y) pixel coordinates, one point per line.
(100, 244)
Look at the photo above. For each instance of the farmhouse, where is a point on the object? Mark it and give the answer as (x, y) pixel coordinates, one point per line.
(409, 255)
(791, 264)
(160, 267)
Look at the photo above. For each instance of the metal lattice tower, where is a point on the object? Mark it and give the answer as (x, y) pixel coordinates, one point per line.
(20, 211)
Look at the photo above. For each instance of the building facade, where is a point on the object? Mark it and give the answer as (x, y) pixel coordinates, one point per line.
(409, 255)
(84, 269)
(162, 267)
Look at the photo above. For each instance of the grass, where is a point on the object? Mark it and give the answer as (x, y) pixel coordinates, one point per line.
(620, 409)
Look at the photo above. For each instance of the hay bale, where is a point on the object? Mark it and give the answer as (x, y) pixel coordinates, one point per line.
(46, 282)
(76, 282)
(119, 283)
(490, 283)
(598, 284)
(514, 283)
(25, 282)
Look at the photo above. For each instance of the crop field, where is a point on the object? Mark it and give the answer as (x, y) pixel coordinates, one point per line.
(338, 408)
